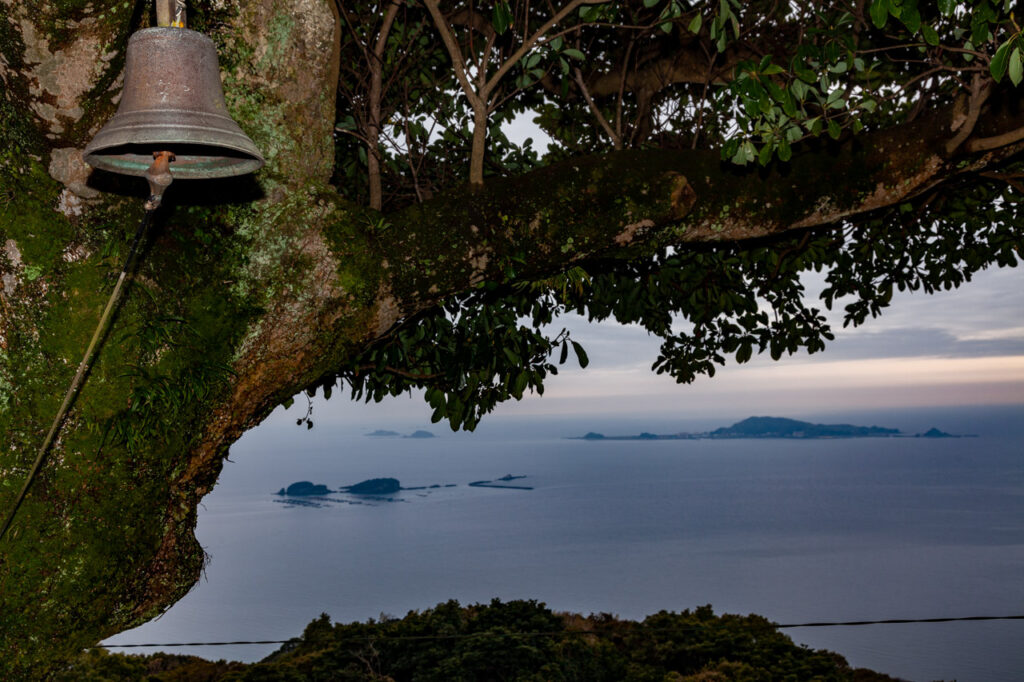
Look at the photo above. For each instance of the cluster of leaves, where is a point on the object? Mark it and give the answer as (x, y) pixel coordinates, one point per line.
(1009, 59)
(519, 640)
(473, 352)
(844, 70)
(740, 299)
(776, 78)
(97, 665)
(493, 343)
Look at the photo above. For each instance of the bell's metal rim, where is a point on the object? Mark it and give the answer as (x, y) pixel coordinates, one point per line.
(112, 136)
(136, 164)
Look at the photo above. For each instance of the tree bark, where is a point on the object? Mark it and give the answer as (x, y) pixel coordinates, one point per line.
(253, 289)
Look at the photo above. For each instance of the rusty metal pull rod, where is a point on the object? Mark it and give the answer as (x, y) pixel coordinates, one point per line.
(159, 177)
(170, 13)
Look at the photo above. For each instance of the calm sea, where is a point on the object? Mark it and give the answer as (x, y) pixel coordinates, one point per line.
(797, 531)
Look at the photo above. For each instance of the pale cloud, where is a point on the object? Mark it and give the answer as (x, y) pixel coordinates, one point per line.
(1007, 333)
(809, 384)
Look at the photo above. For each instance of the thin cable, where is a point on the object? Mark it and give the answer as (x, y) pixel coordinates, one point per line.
(562, 633)
(897, 621)
(83, 367)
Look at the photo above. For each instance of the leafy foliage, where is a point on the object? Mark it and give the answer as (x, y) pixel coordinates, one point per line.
(517, 640)
(760, 82)
(494, 343)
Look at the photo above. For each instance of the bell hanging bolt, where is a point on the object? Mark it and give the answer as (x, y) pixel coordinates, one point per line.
(159, 178)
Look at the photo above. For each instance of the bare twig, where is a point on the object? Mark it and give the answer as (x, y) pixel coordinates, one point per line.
(376, 93)
(1009, 178)
(616, 140)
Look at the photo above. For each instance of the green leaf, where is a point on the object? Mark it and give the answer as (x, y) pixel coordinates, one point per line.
(947, 7)
(573, 53)
(834, 130)
(1016, 66)
(744, 352)
(997, 67)
(749, 153)
(879, 12)
(911, 18)
(581, 355)
(930, 35)
(520, 384)
(785, 151)
(502, 17)
(695, 24)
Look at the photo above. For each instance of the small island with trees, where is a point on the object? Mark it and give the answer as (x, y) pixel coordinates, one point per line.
(304, 489)
(776, 427)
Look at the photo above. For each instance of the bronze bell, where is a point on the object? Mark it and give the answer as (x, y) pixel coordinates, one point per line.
(173, 101)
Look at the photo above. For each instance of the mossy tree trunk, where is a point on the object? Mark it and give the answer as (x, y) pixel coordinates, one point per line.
(252, 289)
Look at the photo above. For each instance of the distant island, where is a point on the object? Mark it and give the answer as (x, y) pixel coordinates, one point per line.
(384, 433)
(304, 489)
(779, 427)
(374, 486)
(776, 427)
(935, 433)
(504, 484)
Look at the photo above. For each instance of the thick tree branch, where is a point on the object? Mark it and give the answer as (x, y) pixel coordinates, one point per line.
(477, 99)
(687, 65)
(985, 144)
(624, 204)
(964, 125)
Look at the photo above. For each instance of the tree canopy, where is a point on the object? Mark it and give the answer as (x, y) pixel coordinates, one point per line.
(703, 156)
(516, 640)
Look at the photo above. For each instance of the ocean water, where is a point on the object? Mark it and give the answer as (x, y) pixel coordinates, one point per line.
(798, 531)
